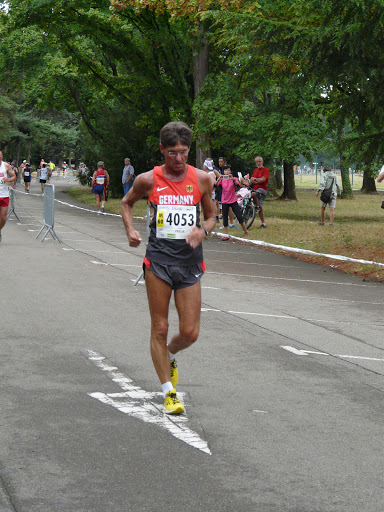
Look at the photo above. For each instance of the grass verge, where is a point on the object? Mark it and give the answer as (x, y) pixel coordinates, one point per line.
(358, 230)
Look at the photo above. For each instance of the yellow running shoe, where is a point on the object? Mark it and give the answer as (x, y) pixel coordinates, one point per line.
(172, 404)
(174, 373)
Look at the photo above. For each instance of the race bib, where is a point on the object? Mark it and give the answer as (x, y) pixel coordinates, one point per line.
(100, 180)
(26, 174)
(3, 184)
(175, 221)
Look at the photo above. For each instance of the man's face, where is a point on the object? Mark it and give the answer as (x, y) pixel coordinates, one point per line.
(259, 162)
(221, 162)
(127, 161)
(175, 157)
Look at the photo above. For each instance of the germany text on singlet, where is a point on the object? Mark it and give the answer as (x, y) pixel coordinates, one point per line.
(177, 210)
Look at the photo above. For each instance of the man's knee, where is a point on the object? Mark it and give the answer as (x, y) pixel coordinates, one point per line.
(160, 329)
(190, 335)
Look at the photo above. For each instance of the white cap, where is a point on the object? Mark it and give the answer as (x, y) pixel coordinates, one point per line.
(208, 163)
(24, 161)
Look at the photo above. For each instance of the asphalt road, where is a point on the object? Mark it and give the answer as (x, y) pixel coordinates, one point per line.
(283, 390)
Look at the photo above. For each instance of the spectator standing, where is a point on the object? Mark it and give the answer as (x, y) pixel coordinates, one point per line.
(100, 181)
(128, 176)
(259, 181)
(380, 177)
(326, 182)
(222, 162)
(229, 200)
(212, 173)
(16, 171)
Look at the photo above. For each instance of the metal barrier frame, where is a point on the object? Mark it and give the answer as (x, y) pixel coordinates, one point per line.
(49, 212)
(11, 208)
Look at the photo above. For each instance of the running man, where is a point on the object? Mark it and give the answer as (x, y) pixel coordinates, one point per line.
(44, 175)
(100, 181)
(174, 256)
(5, 171)
(27, 175)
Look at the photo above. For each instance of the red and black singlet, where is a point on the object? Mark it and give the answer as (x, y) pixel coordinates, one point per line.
(177, 210)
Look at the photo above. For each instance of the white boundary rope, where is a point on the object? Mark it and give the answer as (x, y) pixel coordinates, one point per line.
(252, 242)
(300, 251)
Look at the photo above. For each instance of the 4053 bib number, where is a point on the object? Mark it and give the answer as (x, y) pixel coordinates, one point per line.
(175, 221)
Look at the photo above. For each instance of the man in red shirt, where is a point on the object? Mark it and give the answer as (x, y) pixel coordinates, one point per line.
(259, 181)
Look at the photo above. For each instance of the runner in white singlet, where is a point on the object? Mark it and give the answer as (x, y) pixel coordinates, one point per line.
(7, 175)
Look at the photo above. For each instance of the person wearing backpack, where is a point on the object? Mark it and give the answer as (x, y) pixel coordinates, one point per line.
(329, 186)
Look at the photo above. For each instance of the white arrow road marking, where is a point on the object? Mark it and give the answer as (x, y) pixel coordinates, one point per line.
(299, 352)
(137, 402)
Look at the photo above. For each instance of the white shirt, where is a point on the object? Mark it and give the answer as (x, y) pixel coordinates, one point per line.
(4, 191)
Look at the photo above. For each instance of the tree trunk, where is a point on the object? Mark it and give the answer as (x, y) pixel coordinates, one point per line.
(369, 185)
(272, 181)
(278, 177)
(344, 169)
(345, 181)
(18, 152)
(29, 152)
(289, 191)
(200, 71)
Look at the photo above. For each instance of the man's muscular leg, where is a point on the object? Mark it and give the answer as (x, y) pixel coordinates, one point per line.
(159, 294)
(3, 216)
(188, 305)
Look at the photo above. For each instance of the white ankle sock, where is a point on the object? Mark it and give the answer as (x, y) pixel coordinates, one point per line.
(171, 356)
(166, 387)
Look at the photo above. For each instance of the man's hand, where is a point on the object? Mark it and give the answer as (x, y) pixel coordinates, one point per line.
(195, 237)
(134, 238)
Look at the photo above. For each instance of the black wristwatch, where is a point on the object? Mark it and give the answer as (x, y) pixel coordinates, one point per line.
(205, 230)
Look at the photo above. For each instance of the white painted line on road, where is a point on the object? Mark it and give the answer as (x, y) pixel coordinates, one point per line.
(299, 352)
(254, 263)
(290, 295)
(114, 264)
(248, 276)
(300, 251)
(288, 317)
(67, 249)
(110, 252)
(137, 402)
(263, 314)
(123, 265)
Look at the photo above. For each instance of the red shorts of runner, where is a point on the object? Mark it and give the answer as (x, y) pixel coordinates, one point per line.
(4, 201)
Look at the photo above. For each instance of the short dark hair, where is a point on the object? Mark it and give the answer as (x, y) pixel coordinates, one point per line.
(226, 166)
(327, 169)
(175, 132)
(222, 158)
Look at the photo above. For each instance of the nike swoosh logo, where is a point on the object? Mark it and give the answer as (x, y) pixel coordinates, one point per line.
(198, 275)
(159, 189)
